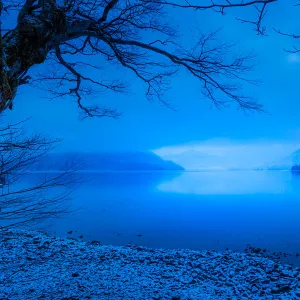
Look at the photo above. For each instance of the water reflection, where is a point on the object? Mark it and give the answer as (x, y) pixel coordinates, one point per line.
(233, 183)
(202, 210)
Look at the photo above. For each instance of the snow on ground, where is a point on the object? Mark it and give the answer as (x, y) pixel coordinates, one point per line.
(36, 266)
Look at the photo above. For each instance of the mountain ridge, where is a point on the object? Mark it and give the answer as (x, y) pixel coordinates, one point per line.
(106, 161)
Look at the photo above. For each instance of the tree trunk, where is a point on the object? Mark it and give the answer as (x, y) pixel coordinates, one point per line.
(26, 45)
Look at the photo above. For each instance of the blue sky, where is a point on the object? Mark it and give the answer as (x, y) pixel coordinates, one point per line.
(148, 126)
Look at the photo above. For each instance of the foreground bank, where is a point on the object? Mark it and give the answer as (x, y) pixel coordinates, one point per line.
(36, 266)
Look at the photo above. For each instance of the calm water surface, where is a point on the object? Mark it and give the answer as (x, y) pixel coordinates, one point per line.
(197, 210)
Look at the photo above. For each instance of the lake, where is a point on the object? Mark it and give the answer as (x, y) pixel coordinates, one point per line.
(196, 210)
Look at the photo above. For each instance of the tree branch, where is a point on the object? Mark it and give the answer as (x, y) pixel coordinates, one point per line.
(136, 35)
(107, 9)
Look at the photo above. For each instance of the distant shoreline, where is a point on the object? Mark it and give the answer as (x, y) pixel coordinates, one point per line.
(159, 171)
(109, 171)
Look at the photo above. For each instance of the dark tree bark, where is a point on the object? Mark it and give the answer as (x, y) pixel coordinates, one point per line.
(131, 33)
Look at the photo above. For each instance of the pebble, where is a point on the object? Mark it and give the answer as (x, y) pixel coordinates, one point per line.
(36, 266)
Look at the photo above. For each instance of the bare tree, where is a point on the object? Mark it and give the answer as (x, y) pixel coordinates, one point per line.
(134, 34)
(28, 202)
(295, 48)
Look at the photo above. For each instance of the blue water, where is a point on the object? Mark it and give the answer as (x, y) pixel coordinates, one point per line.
(196, 210)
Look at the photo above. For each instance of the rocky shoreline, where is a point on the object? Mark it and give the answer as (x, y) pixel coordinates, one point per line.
(34, 265)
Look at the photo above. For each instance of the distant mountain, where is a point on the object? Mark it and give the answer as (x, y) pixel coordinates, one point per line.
(107, 161)
(286, 163)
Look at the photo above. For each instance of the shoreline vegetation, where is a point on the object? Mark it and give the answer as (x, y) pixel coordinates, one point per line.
(35, 265)
(295, 168)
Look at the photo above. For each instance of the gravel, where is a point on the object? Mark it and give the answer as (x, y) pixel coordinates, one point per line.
(34, 265)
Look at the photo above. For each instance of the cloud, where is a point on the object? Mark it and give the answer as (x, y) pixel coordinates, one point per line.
(293, 58)
(226, 154)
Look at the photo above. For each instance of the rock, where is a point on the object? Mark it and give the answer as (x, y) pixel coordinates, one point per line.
(139, 249)
(256, 250)
(282, 289)
(120, 271)
(70, 232)
(284, 282)
(30, 258)
(95, 243)
(265, 281)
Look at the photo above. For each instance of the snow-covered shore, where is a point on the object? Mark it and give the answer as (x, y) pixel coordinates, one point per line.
(36, 266)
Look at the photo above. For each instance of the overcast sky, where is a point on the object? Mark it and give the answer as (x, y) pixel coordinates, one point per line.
(148, 126)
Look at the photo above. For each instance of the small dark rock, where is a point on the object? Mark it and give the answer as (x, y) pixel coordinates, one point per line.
(256, 250)
(75, 275)
(95, 243)
(266, 281)
(282, 289)
(70, 232)
(6, 239)
(139, 249)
